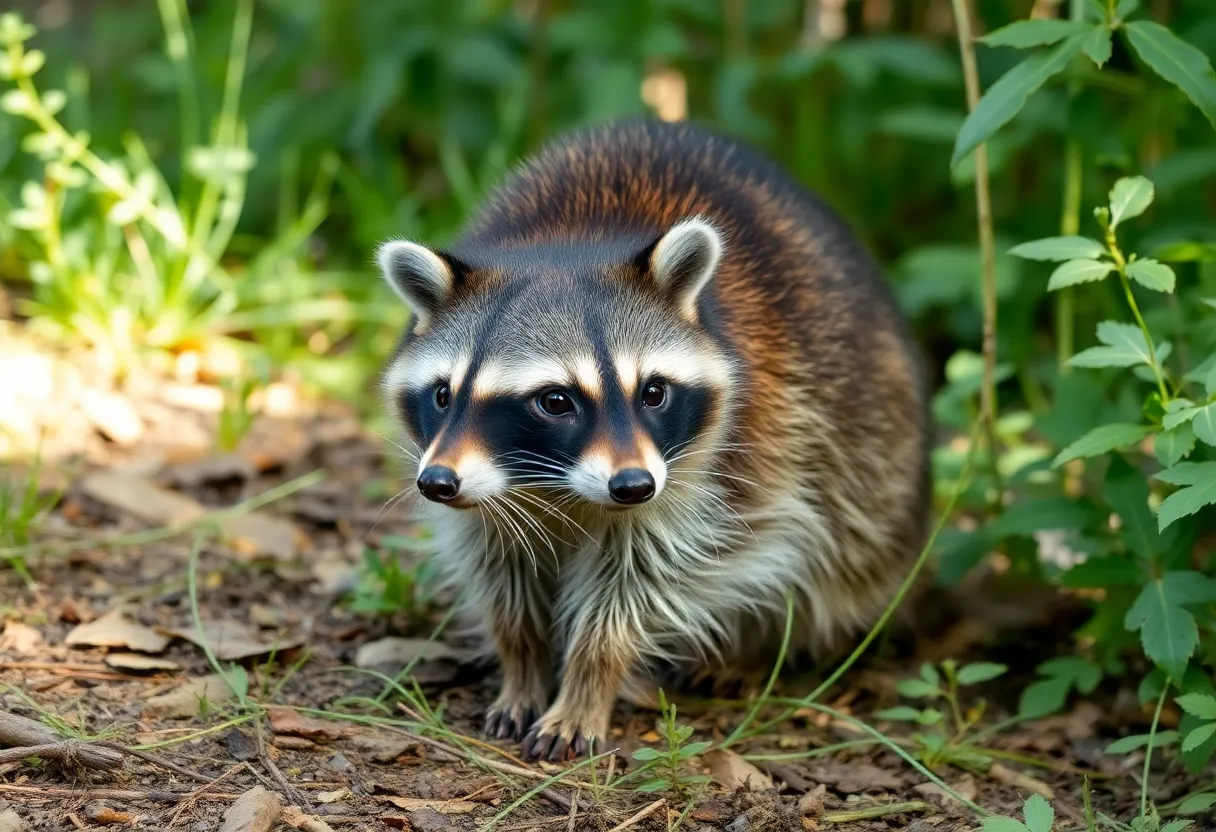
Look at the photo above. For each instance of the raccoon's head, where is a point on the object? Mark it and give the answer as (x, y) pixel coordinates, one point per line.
(562, 370)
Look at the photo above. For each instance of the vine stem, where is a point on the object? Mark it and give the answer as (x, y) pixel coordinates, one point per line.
(1112, 245)
(1148, 754)
(1070, 218)
(983, 206)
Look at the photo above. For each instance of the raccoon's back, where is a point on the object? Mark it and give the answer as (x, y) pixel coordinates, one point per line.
(795, 288)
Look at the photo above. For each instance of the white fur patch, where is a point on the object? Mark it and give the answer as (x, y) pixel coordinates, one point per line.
(589, 478)
(497, 377)
(685, 259)
(479, 476)
(419, 276)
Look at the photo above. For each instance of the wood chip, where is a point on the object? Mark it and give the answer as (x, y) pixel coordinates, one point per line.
(138, 662)
(232, 641)
(333, 796)
(398, 652)
(286, 720)
(115, 630)
(10, 821)
(254, 811)
(1010, 777)
(20, 639)
(113, 417)
(140, 498)
(443, 807)
(183, 702)
(100, 813)
(296, 819)
(734, 772)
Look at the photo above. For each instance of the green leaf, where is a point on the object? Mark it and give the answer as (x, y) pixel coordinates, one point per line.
(1125, 347)
(1002, 825)
(1008, 95)
(646, 754)
(1127, 492)
(1102, 440)
(1204, 423)
(1152, 275)
(1176, 61)
(1097, 45)
(1188, 500)
(652, 786)
(929, 717)
(1129, 744)
(1167, 631)
(1038, 813)
(1027, 517)
(1189, 473)
(1205, 374)
(916, 689)
(1027, 33)
(1197, 803)
(1130, 197)
(973, 674)
(1199, 736)
(1198, 704)
(694, 748)
(1102, 572)
(1059, 248)
(1174, 445)
(1043, 697)
(929, 673)
(1078, 271)
(902, 713)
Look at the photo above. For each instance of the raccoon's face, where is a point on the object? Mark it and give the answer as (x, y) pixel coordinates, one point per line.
(560, 371)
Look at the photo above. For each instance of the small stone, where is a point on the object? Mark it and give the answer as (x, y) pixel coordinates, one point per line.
(254, 811)
(113, 416)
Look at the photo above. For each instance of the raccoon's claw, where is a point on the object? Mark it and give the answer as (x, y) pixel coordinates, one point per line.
(504, 723)
(553, 747)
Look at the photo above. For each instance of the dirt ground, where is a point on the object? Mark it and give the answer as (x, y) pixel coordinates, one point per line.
(105, 645)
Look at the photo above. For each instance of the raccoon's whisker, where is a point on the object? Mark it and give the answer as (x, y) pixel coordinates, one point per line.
(402, 495)
(529, 521)
(494, 504)
(552, 509)
(743, 480)
(415, 454)
(718, 499)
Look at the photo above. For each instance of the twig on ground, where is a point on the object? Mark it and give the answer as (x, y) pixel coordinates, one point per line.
(155, 795)
(30, 739)
(293, 794)
(193, 797)
(638, 816)
(156, 761)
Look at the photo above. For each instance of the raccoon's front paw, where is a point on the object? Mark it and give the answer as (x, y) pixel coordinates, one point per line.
(509, 718)
(557, 736)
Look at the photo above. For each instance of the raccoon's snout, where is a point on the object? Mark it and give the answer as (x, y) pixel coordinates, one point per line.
(439, 483)
(631, 486)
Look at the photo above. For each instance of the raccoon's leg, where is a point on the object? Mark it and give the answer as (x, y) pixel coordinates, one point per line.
(596, 663)
(517, 610)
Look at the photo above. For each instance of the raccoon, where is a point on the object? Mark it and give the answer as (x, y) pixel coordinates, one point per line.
(653, 389)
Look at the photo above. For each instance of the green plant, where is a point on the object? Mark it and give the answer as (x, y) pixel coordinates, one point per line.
(946, 722)
(665, 768)
(237, 414)
(23, 507)
(384, 585)
(1036, 812)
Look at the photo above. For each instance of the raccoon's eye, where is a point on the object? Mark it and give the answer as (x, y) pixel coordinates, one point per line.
(443, 397)
(555, 403)
(654, 394)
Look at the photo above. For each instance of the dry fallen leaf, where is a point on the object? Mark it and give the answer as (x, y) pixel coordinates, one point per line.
(399, 652)
(141, 498)
(182, 702)
(138, 662)
(964, 786)
(113, 416)
(21, 639)
(334, 796)
(286, 720)
(734, 772)
(215, 468)
(262, 535)
(254, 811)
(380, 746)
(443, 807)
(855, 777)
(115, 630)
(232, 641)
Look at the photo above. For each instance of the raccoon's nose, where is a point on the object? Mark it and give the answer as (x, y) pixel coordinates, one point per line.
(439, 483)
(631, 486)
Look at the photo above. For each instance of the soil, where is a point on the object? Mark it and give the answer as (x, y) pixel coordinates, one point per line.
(105, 645)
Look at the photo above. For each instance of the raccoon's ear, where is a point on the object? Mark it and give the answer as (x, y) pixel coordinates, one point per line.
(422, 278)
(683, 261)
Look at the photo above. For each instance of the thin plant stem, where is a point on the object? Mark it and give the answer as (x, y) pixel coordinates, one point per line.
(736, 734)
(1148, 752)
(1070, 217)
(983, 206)
(175, 19)
(540, 787)
(1112, 246)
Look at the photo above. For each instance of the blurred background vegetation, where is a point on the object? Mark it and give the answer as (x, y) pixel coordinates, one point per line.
(369, 119)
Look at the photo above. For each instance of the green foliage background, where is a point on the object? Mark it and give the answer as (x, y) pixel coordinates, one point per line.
(356, 121)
